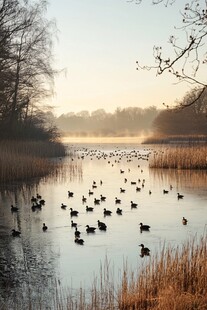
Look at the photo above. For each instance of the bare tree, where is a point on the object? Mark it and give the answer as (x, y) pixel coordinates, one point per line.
(188, 57)
(26, 60)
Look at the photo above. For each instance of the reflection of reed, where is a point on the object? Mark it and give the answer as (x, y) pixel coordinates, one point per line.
(184, 178)
(66, 170)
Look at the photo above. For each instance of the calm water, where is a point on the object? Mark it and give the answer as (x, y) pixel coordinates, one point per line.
(31, 263)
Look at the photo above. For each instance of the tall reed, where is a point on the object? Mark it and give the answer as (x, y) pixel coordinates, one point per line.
(26, 160)
(180, 157)
(176, 279)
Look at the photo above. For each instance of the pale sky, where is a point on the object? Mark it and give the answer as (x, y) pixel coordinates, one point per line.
(99, 42)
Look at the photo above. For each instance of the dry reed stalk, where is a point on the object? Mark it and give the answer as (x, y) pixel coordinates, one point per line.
(185, 157)
(176, 280)
(26, 160)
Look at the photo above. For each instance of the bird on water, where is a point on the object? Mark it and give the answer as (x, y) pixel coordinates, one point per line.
(144, 250)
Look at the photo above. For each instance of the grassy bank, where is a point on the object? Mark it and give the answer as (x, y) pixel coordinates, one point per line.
(180, 157)
(23, 160)
(173, 279)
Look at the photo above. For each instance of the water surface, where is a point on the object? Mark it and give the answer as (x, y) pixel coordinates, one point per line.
(36, 259)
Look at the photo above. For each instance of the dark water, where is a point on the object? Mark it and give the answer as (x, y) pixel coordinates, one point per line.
(33, 265)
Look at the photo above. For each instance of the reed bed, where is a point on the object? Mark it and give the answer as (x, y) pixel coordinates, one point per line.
(168, 139)
(173, 279)
(176, 279)
(180, 157)
(21, 161)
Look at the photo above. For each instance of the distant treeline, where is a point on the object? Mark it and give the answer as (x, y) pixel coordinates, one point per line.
(134, 121)
(129, 121)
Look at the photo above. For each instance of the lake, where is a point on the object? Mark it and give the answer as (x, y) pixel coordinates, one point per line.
(32, 263)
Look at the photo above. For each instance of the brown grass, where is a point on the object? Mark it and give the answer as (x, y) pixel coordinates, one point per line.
(180, 157)
(20, 161)
(176, 280)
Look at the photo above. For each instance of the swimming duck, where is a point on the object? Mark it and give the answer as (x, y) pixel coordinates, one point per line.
(107, 212)
(184, 221)
(77, 232)
(117, 200)
(96, 201)
(73, 224)
(133, 205)
(119, 211)
(14, 209)
(101, 224)
(16, 233)
(79, 241)
(42, 202)
(180, 196)
(122, 190)
(90, 229)
(84, 199)
(90, 192)
(44, 227)
(165, 191)
(103, 198)
(144, 251)
(144, 227)
(70, 194)
(89, 209)
(63, 206)
(73, 212)
(138, 189)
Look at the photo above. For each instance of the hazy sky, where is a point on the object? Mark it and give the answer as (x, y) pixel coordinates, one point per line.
(99, 42)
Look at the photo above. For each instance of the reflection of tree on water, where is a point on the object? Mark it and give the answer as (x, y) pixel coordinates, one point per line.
(180, 178)
(26, 265)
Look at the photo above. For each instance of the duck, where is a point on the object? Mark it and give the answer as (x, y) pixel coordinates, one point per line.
(117, 200)
(144, 227)
(73, 224)
(107, 212)
(89, 209)
(101, 224)
(90, 192)
(84, 199)
(16, 233)
(63, 206)
(70, 194)
(144, 251)
(44, 227)
(14, 209)
(73, 212)
(96, 201)
(77, 232)
(180, 196)
(103, 198)
(90, 229)
(138, 189)
(165, 191)
(119, 211)
(133, 205)
(184, 221)
(79, 241)
(42, 202)
(122, 190)
(102, 227)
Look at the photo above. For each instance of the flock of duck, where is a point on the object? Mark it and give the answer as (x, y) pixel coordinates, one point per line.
(38, 202)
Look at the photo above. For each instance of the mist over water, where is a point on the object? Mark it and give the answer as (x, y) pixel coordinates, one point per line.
(37, 260)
